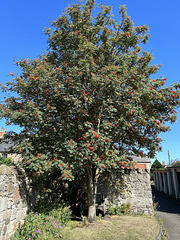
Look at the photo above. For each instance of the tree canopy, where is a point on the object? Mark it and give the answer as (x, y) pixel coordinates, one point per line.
(156, 164)
(90, 102)
(175, 163)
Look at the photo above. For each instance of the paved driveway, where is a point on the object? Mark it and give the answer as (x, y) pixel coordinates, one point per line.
(169, 211)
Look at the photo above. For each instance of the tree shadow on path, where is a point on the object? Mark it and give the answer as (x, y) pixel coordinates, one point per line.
(165, 203)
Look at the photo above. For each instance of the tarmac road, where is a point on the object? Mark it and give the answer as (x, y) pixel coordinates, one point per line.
(169, 211)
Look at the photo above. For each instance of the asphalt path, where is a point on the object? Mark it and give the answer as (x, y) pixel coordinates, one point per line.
(169, 210)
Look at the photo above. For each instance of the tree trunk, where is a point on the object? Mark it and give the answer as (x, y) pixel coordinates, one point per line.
(92, 191)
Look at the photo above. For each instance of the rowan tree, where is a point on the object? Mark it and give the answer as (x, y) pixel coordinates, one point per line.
(91, 101)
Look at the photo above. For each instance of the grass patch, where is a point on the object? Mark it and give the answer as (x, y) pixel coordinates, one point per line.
(53, 222)
(164, 234)
(115, 228)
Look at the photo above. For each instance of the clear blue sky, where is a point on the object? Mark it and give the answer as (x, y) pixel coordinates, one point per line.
(22, 24)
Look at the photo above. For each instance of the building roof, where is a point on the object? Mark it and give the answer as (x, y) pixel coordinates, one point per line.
(141, 159)
(5, 146)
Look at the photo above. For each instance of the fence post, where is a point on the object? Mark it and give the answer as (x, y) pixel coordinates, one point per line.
(169, 182)
(175, 182)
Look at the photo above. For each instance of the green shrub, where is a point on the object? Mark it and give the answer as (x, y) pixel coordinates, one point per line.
(44, 225)
(126, 208)
(6, 161)
(60, 211)
(114, 210)
(39, 226)
(119, 210)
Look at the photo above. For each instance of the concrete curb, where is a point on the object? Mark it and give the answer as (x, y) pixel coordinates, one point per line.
(160, 229)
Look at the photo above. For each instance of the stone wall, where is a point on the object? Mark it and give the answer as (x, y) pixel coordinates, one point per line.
(13, 195)
(13, 206)
(137, 191)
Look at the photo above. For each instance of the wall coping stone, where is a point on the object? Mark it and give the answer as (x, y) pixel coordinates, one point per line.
(5, 170)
